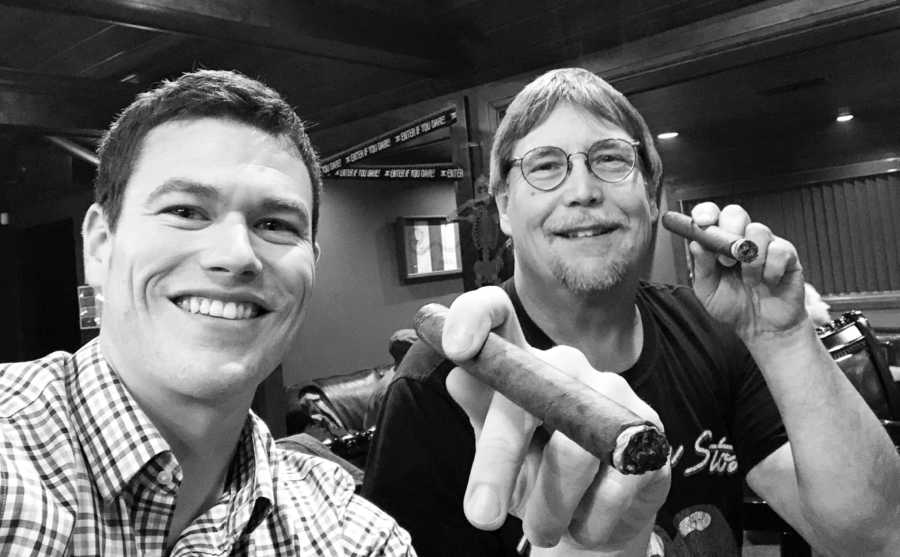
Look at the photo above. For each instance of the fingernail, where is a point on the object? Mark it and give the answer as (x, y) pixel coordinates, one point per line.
(457, 340)
(484, 505)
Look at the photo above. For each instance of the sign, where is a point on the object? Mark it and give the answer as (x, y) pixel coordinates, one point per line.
(410, 172)
(90, 306)
(435, 121)
(429, 248)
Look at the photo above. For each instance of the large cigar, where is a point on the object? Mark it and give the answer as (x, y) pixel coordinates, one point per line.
(603, 427)
(712, 238)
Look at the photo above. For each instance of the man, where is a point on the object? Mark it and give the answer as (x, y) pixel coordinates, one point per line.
(202, 239)
(576, 179)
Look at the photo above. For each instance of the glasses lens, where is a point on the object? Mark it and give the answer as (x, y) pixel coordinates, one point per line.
(612, 160)
(545, 167)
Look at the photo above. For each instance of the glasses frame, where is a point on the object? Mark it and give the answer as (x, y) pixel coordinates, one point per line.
(517, 162)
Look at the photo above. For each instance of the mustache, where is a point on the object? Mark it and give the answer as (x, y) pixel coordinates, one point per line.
(581, 222)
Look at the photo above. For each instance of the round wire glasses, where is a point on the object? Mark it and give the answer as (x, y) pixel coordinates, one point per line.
(611, 160)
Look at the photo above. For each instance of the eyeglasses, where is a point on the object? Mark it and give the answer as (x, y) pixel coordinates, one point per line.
(545, 168)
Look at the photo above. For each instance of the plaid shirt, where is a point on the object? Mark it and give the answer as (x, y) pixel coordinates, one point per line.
(84, 472)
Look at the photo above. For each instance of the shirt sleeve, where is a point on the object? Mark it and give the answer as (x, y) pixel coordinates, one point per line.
(756, 421)
(418, 467)
(369, 532)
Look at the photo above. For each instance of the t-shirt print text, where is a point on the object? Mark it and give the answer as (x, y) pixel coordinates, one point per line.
(714, 457)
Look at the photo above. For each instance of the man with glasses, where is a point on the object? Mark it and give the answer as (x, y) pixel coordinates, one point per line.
(731, 368)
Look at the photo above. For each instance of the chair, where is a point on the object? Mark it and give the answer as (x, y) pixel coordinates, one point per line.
(335, 410)
(862, 357)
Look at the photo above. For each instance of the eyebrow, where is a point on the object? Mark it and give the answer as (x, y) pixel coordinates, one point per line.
(211, 193)
(180, 185)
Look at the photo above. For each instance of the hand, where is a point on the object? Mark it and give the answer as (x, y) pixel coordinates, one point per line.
(758, 298)
(565, 496)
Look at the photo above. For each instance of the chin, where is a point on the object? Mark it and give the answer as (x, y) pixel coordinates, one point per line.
(589, 279)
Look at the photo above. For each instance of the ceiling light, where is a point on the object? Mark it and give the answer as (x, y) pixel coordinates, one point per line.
(667, 135)
(844, 116)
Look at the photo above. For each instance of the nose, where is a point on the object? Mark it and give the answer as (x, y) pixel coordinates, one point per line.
(231, 254)
(581, 187)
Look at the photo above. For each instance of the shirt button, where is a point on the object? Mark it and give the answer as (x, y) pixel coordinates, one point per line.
(164, 477)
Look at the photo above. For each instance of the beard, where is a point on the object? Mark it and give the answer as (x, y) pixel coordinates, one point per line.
(589, 276)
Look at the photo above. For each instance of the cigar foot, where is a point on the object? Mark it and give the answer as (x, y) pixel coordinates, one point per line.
(744, 251)
(640, 448)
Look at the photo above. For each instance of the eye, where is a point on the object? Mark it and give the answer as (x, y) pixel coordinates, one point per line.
(185, 212)
(279, 230)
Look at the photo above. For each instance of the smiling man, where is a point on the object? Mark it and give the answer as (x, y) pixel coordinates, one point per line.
(731, 368)
(202, 239)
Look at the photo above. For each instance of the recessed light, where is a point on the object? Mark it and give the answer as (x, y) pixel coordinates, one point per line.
(844, 115)
(667, 135)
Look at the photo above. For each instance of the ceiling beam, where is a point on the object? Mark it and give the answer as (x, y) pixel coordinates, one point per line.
(327, 29)
(745, 36)
(60, 104)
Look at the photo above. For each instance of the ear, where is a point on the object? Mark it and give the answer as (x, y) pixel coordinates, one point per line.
(654, 210)
(97, 239)
(502, 201)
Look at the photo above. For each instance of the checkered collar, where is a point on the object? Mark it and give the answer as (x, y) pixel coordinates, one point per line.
(119, 439)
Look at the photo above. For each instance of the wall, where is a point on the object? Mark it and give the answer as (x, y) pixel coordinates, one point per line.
(359, 300)
(709, 164)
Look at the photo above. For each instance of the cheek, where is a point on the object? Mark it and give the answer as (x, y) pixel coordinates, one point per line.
(137, 263)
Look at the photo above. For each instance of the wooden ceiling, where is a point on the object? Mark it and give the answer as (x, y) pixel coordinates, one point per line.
(66, 67)
(69, 65)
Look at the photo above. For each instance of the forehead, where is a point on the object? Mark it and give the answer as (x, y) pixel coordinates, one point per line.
(570, 127)
(231, 155)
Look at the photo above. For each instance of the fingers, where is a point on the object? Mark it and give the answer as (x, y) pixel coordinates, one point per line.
(614, 506)
(473, 396)
(499, 453)
(781, 261)
(503, 430)
(565, 474)
(776, 255)
(475, 314)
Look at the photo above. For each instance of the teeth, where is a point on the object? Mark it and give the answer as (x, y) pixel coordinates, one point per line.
(582, 234)
(230, 310)
(218, 308)
(215, 308)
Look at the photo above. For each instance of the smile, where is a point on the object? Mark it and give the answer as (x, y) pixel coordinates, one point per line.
(219, 308)
(585, 232)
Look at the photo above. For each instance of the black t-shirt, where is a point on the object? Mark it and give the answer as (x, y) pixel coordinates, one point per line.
(719, 417)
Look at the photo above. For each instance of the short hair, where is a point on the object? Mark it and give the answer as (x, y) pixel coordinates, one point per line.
(198, 94)
(581, 88)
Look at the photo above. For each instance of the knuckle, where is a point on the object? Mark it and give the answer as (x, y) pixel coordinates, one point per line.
(733, 210)
(542, 533)
(612, 384)
(586, 536)
(567, 460)
(567, 358)
(758, 228)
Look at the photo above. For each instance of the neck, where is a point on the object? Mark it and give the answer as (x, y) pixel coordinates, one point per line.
(604, 325)
(202, 434)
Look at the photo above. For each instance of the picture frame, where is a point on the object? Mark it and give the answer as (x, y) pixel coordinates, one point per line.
(428, 248)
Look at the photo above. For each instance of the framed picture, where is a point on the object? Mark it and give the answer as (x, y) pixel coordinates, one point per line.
(428, 248)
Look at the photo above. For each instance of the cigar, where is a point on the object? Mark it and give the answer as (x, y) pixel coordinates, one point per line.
(603, 427)
(712, 238)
